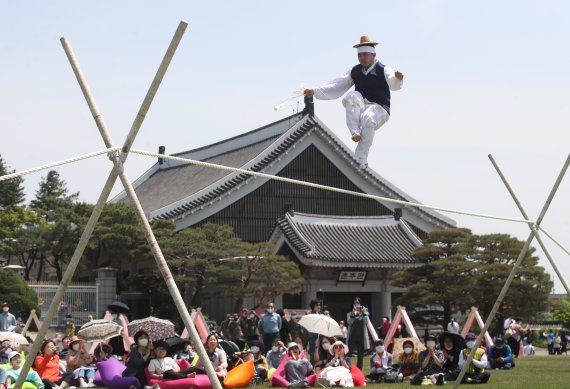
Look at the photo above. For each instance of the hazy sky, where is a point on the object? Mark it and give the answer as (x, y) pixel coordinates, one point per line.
(480, 77)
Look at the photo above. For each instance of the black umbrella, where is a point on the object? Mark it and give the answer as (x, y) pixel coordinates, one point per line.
(176, 343)
(118, 307)
(458, 341)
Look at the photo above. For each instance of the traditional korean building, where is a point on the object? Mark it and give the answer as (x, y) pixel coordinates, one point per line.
(345, 246)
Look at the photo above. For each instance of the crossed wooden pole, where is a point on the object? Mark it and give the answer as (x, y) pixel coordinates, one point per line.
(533, 233)
(118, 159)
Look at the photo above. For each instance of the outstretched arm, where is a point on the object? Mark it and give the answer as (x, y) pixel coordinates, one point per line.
(333, 90)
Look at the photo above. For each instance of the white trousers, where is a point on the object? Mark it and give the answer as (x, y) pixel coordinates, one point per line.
(364, 118)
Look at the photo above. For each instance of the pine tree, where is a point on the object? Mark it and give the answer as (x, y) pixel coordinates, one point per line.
(51, 195)
(11, 191)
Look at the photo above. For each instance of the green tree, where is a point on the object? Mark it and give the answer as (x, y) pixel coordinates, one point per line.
(11, 191)
(460, 270)
(52, 195)
(441, 280)
(562, 312)
(495, 255)
(258, 274)
(21, 297)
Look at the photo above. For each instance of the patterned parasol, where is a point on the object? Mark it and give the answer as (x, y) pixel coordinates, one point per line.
(156, 328)
(100, 329)
(13, 337)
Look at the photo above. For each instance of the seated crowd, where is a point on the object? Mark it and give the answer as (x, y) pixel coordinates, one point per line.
(299, 358)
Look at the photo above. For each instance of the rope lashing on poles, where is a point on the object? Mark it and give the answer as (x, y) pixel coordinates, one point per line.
(325, 187)
(58, 163)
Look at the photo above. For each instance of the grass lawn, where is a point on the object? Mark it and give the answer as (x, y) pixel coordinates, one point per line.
(536, 372)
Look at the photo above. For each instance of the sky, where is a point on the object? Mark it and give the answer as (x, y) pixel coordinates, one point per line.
(481, 77)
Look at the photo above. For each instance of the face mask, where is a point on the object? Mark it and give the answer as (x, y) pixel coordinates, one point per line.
(143, 342)
(269, 310)
(251, 316)
(380, 349)
(449, 347)
(75, 347)
(430, 344)
(5, 309)
(470, 344)
(408, 350)
(275, 349)
(326, 346)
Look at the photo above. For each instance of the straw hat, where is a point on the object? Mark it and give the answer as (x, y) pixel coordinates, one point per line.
(365, 41)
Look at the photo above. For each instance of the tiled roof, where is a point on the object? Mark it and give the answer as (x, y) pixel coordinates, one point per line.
(343, 241)
(173, 190)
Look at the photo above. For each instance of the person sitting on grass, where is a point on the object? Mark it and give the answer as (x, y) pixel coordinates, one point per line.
(431, 364)
(451, 350)
(46, 364)
(337, 370)
(380, 361)
(163, 367)
(275, 355)
(12, 374)
(409, 360)
(297, 369)
(476, 373)
(500, 355)
(217, 356)
(80, 363)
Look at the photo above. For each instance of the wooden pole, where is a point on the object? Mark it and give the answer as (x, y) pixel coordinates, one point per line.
(96, 213)
(511, 275)
(531, 226)
(149, 235)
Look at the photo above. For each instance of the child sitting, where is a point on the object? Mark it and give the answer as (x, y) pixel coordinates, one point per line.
(275, 355)
(163, 367)
(13, 373)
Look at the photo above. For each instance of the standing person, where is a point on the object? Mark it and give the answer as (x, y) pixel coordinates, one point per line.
(357, 331)
(453, 326)
(344, 331)
(284, 332)
(271, 325)
(252, 327)
(385, 327)
(515, 332)
(368, 106)
(314, 339)
(7, 320)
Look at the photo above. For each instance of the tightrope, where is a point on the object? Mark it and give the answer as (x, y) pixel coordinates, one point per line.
(110, 151)
(58, 163)
(325, 187)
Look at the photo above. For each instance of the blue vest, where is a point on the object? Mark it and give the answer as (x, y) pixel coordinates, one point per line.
(372, 86)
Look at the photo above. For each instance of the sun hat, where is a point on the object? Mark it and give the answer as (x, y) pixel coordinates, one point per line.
(74, 339)
(338, 343)
(12, 355)
(292, 345)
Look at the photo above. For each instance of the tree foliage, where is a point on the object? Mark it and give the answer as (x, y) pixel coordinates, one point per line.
(562, 312)
(460, 270)
(15, 291)
(11, 191)
(212, 255)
